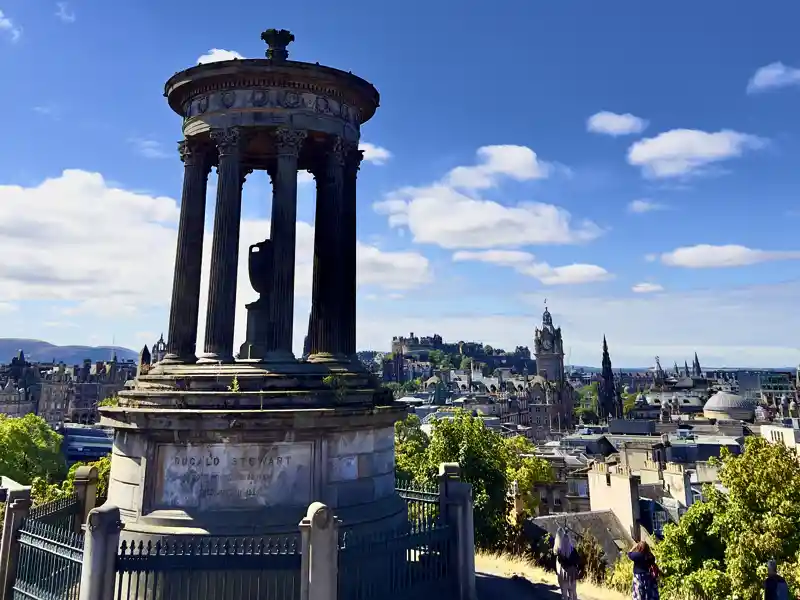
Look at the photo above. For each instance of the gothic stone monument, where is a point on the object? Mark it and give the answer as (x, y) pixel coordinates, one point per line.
(212, 444)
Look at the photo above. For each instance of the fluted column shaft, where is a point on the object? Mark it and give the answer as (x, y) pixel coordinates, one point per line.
(325, 295)
(185, 306)
(225, 248)
(349, 243)
(283, 235)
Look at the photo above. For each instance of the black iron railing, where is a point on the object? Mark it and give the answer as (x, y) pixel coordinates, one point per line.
(422, 500)
(414, 562)
(50, 560)
(62, 513)
(210, 568)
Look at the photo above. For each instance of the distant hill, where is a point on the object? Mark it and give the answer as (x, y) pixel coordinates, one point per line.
(39, 351)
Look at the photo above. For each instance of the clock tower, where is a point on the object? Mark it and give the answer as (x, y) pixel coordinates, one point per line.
(549, 349)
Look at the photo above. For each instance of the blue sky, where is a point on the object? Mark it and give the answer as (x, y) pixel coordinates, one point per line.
(633, 163)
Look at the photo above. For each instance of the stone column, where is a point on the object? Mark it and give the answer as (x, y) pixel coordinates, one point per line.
(225, 249)
(320, 551)
(353, 158)
(183, 314)
(283, 235)
(98, 575)
(325, 328)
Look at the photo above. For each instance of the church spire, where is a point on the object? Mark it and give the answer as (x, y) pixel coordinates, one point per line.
(686, 368)
(696, 370)
(608, 401)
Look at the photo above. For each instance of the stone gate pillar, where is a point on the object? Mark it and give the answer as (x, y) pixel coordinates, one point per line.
(225, 248)
(183, 314)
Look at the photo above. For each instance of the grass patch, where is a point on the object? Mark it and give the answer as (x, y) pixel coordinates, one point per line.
(504, 565)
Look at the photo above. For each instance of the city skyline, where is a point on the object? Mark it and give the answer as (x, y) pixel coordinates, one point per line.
(614, 176)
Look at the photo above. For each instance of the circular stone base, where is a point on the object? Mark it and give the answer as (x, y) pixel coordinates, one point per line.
(251, 472)
(249, 385)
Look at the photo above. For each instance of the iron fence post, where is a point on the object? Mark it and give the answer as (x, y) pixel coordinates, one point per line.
(319, 572)
(101, 545)
(18, 504)
(86, 490)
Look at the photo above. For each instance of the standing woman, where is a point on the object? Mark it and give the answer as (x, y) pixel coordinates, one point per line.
(567, 561)
(645, 572)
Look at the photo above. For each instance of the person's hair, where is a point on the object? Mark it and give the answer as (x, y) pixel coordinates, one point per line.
(562, 545)
(772, 567)
(640, 547)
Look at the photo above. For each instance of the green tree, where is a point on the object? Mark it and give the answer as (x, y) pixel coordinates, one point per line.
(628, 402)
(435, 357)
(393, 387)
(29, 448)
(43, 492)
(488, 350)
(723, 544)
(487, 460)
(525, 469)
(411, 387)
(466, 363)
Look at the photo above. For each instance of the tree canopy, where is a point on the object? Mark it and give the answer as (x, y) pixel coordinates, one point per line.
(722, 545)
(29, 448)
(488, 461)
(43, 492)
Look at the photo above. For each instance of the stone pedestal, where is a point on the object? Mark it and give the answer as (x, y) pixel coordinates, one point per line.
(250, 472)
(257, 330)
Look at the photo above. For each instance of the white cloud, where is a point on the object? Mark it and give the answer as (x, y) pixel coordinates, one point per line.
(219, 55)
(149, 148)
(526, 264)
(64, 13)
(614, 124)
(376, 155)
(773, 76)
(705, 256)
(107, 252)
(10, 27)
(451, 214)
(681, 152)
(754, 326)
(7, 307)
(643, 205)
(647, 288)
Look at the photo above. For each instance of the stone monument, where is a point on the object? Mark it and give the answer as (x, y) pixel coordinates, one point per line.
(211, 444)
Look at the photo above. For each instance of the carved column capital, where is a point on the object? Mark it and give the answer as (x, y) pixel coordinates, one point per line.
(289, 141)
(353, 156)
(193, 152)
(336, 153)
(228, 141)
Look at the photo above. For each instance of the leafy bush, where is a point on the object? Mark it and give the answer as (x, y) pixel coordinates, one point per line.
(620, 576)
(593, 566)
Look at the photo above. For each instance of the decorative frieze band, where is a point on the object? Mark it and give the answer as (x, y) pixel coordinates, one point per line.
(272, 98)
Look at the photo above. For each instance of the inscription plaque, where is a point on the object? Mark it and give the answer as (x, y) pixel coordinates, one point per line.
(231, 476)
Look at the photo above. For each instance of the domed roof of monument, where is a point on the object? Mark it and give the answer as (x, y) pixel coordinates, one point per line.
(274, 70)
(725, 401)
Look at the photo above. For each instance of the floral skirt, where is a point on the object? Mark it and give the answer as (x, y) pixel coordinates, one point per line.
(644, 587)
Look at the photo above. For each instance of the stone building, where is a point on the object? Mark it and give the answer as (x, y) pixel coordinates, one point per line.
(551, 397)
(72, 394)
(19, 389)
